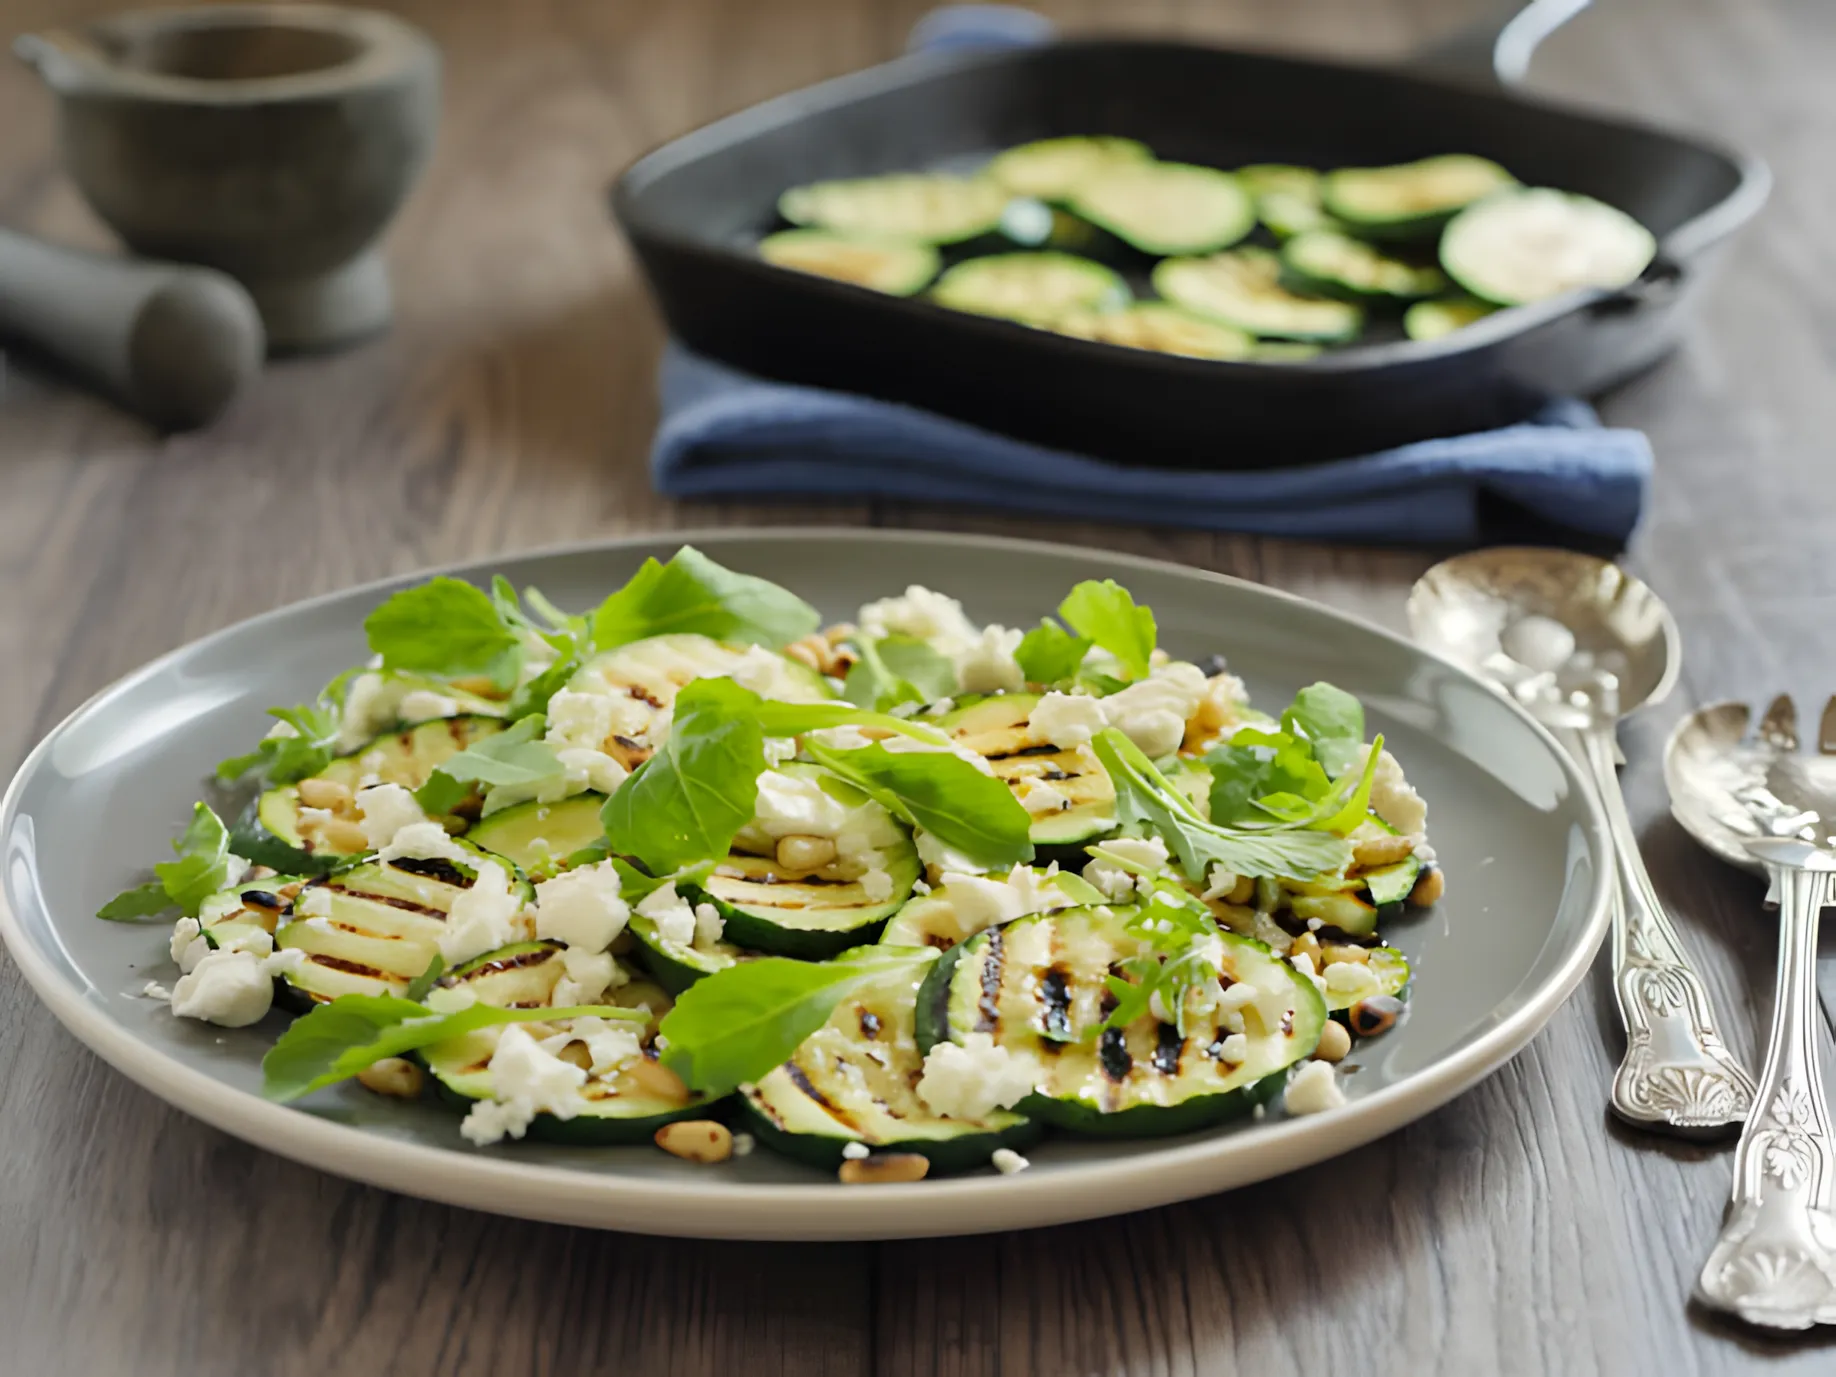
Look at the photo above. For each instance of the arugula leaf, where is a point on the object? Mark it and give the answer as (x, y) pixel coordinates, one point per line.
(1331, 720)
(448, 628)
(511, 757)
(734, 1026)
(337, 1040)
(1172, 927)
(1105, 612)
(426, 980)
(897, 669)
(1257, 764)
(309, 747)
(686, 803)
(201, 870)
(1048, 654)
(1145, 799)
(142, 901)
(941, 792)
(693, 593)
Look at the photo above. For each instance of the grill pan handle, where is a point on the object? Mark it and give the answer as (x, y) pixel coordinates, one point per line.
(1499, 46)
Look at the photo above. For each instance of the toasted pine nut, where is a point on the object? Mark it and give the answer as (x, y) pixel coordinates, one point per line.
(325, 793)
(805, 853)
(395, 1076)
(1428, 888)
(1375, 1015)
(577, 1054)
(479, 685)
(649, 1077)
(696, 1140)
(1335, 1042)
(884, 1167)
(803, 655)
(1371, 852)
(1245, 890)
(1336, 953)
(1306, 944)
(344, 837)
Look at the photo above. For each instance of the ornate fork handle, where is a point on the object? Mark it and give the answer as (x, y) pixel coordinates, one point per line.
(1677, 1073)
(1775, 1262)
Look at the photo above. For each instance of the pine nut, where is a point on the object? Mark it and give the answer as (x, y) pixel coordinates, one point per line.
(804, 655)
(1337, 953)
(395, 1076)
(1372, 852)
(1429, 888)
(1306, 945)
(576, 1053)
(346, 838)
(324, 793)
(1245, 890)
(1335, 1042)
(805, 853)
(696, 1140)
(1375, 1015)
(647, 1077)
(885, 1167)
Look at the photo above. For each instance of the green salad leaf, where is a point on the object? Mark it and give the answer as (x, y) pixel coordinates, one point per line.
(1105, 613)
(1332, 722)
(1174, 958)
(966, 810)
(448, 628)
(1048, 654)
(203, 868)
(688, 801)
(308, 748)
(732, 1027)
(1300, 774)
(335, 1041)
(897, 669)
(693, 593)
(512, 757)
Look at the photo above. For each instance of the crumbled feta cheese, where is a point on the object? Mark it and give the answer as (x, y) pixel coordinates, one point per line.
(942, 859)
(779, 749)
(1067, 720)
(1153, 712)
(1234, 1049)
(877, 886)
(981, 903)
(154, 990)
(426, 841)
(284, 960)
(1392, 797)
(187, 945)
(928, 616)
(973, 1079)
(229, 988)
(710, 927)
(234, 868)
(988, 665)
(1313, 1089)
(1007, 1161)
(843, 738)
(592, 769)
(281, 730)
(422, 705)
(581, 720)
(386, 809)
(1231, 1003)
(526, 1080)
(797, 805)
(581, 907)
(1218, 883)
(855, 1152)
(1118, 885)
(760, 670)
(243, 937)
(589, 975)
(315, 901)
(1352, 978)
(1314, 924)
(940, 707)
(921, 887)
(1041, 799)
(482, 917)
(670, 914)
(372, 704)
(743, 1144)
(608, 1045)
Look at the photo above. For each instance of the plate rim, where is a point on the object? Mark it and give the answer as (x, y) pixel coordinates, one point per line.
(816, 1211)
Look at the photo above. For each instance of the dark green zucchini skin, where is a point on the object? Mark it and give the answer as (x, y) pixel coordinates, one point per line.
(931, 1016)
(944, 1154)
(257, 845)
(1153, 1120)
(586, 1130)
(749, 930)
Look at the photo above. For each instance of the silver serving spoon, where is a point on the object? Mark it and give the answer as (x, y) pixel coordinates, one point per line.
(1762, 806)
(1581, 643)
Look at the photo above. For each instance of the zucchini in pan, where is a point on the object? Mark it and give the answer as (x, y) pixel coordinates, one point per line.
(1330, 264)
(1433, 319)
(1410, 200)
(919, 207)
(1163, 329)
(1033, 288)
(898, 269)
(1243, 288)
(1532, 244)
(1054, 169)
(1167, 208)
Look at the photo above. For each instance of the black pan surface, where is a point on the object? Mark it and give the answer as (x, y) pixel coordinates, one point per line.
(694, 208)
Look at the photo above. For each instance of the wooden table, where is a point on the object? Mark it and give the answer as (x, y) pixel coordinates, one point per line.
(1515, 1231)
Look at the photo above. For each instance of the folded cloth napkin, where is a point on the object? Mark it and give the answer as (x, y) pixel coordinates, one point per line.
(728, 434)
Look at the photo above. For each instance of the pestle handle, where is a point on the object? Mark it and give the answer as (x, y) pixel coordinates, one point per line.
(171, 342)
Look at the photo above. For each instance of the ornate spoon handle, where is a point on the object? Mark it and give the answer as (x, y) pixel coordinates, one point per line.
(1775, 1262)
(1677, 1074)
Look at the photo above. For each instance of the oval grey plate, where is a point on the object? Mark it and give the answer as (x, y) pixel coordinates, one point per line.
(99, 798)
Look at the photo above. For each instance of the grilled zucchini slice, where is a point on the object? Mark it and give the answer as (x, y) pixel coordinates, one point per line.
(855, 1081)
(1167, 208)
(1156, 326)
(1529, 245)
(1243, 288)
(275, 830)
(1033, 288)
(1037, 985)
(898, 269)
(383, 928)
(1000, 730)
(1389, 969)
(1287, 198)
(540, 838)
(1432, 319)
(917, 207)
(1336, 265)
(932, 920)
(1410, 200)
(1053, 169)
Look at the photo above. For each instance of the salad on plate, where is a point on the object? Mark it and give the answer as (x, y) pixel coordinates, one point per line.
(896, 897)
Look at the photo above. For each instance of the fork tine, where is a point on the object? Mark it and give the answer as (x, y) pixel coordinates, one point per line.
(1826, 730)
(1779, 727)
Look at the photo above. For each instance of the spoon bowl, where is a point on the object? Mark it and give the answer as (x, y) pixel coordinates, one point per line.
(1729, 788)
(1622, 646)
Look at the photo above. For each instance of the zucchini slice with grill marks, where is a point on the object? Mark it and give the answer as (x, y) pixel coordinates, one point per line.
(1036, 985)
(382, 926)
(1243, 288)
(1167, 208)
(1433, 319)
(249, 905)
(855, 1080)
(1156, 326)
(1000, 730)
(918, 207)
(674, 965)
(1053, 169)
(1337, 265)
(276, 830)
(624, 1105)
(1389, 975)
(932, 920)
(1529, 245)
(644, 677)
(898, 269)
(542, 837)
(1410, 200)
(1034, 288)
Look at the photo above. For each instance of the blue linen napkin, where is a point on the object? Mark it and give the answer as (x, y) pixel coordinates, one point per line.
(728, 434)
